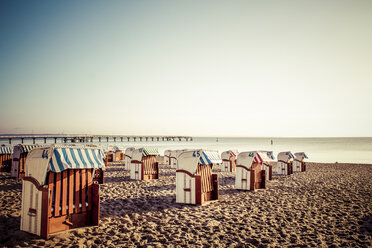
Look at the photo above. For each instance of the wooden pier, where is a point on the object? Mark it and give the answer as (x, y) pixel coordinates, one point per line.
(91, 138)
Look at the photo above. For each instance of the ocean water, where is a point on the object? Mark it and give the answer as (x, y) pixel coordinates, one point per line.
(345, 150)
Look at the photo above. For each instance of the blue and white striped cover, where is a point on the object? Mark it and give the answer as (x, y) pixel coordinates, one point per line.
(290, 155)
(27, 148)
(75, 158)
(6, 150)
(209, 157)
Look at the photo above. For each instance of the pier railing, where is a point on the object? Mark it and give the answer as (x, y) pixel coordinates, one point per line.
(91, 138)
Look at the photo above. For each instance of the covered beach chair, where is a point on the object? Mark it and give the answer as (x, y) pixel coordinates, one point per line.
(143, 164)
(174, 158)
(298, 162)
(268, 158)
(118, 154)
(249, 173)
(19, 159)
(228, 160)
(109, 157)
(284, 164)
(5, 158)
(195, 183)
(128, 157)
(58, 192)
(167, 157)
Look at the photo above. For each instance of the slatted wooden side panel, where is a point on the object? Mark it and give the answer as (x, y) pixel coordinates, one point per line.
(232, 164)
(64, 189)
(77, 191)
(57, 192)
(149, 167)
(71, 180)
(5, 162)
(71, 191)
(22, 164)
(205, 171)
(52, 194)
(89, 188)
(109, 156)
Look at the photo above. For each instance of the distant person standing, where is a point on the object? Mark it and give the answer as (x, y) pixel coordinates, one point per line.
(272, 142)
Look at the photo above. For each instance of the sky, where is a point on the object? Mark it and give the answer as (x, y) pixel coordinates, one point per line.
(199, 68)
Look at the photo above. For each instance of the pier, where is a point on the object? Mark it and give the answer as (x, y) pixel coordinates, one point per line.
(91, 138)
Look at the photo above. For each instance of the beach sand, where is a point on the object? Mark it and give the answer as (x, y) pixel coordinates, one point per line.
(329, 205)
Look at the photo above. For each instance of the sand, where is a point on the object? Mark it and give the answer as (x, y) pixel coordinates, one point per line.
(329, 205)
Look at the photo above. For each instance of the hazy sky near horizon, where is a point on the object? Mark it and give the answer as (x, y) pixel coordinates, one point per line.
(200, 68)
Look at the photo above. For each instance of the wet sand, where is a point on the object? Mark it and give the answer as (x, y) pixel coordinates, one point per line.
(329, 205)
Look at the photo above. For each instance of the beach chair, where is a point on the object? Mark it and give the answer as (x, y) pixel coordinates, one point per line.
(284, 164)
(228, 160)
(119, 155)
(298, 162)
(19, 159)
(5, 158)
(109, 157)
(128, 157)
(174, 158)
(144, 165)
(167, 157)
(268, 158)
(249, 173)
(195, 183)
(58, 192)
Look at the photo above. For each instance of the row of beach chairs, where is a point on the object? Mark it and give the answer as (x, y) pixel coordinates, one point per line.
(60, 187)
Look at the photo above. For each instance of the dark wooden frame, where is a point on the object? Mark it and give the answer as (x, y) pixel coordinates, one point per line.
(289, 167)
(99, 175)
(201, 193)
(5, 162)
(303, 165)
(109, 157)
(21, 164)
(144, 173)
(257, 176)
(232, 164)
(270, 172)
(65, 187)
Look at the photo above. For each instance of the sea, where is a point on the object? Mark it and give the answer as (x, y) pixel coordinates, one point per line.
(326, 150)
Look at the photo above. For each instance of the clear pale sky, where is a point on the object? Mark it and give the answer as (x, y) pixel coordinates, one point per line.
(200, 68)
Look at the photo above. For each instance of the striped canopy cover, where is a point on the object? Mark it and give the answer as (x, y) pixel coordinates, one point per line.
(210, 157)
(300, 155)
(75, 158)
(289, 154)
(149, 151)
(285, 155)
(266, 155)
(6, 150)
(257, 157)
(27, 148)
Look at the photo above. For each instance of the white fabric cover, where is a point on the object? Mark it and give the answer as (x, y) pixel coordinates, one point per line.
(227, 154)
(246, 158)
(137, 154)
(284, 156)
(188, 161)
(267, 155)
(300, 156)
